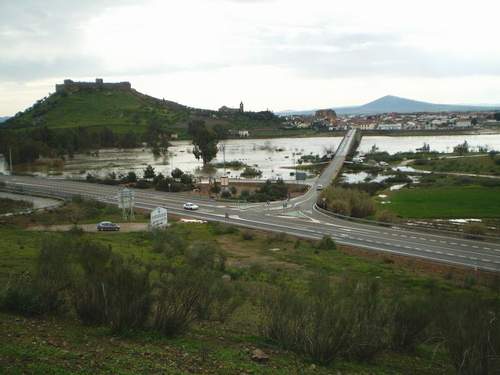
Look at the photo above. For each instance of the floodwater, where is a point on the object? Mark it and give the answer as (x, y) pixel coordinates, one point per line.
(274, 157)
(440, 143)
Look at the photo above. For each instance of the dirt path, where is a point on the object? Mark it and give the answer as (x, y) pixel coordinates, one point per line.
(124, 227)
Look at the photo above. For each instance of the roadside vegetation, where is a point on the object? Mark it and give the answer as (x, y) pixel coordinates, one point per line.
(481, 165)
(13, 205)
(211, 298)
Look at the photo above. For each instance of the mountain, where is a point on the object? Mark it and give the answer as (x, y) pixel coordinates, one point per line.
(397, 104)
(122, 109)
(4, 118)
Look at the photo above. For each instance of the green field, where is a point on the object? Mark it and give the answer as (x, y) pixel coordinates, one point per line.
(446, 202)
(482, 165)
(255, 260)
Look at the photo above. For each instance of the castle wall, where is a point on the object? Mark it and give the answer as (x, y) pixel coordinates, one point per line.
(71, 86)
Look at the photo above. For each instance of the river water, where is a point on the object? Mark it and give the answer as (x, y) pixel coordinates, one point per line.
(274, 157)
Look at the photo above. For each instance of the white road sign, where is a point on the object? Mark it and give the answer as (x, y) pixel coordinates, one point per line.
(159, 218)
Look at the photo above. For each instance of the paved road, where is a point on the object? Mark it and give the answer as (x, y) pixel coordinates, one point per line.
(299, 218)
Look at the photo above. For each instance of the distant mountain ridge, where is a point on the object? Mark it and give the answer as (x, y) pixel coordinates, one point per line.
(4, 118)
(390, 103)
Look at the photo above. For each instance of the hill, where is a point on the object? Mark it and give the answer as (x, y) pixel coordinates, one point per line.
(3, 118)
(120, 109)
(397, 104)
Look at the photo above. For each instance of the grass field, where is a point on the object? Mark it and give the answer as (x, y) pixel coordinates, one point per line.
(484, 165)
(446, 202)
(63, 346)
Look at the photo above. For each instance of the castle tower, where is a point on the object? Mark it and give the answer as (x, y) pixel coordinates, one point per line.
(241, 107)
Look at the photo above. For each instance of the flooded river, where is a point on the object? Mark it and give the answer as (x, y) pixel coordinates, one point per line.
(274, 157)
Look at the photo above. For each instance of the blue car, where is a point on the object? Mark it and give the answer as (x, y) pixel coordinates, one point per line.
(107, 225)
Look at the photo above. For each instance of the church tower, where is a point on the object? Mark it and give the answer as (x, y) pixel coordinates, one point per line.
(241, 107)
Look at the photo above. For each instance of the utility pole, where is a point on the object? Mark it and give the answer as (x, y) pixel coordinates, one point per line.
(222, 147)
(10, 160)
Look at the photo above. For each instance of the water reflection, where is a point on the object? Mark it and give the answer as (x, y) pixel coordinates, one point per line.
(274, 157)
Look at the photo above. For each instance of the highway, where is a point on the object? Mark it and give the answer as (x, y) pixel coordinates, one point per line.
(300, 218)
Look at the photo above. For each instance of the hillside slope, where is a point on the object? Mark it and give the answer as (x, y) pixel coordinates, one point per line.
(126, 110)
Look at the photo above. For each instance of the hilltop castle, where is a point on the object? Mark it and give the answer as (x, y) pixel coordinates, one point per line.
(71, 86)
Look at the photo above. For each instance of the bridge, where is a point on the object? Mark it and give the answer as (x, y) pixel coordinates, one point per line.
(301, 217)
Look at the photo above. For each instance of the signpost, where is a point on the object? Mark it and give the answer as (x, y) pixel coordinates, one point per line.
(224, 181)
(126, 201)
(159, 218)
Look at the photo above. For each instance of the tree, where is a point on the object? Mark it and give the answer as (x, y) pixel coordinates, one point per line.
(131, 177)
(177, 173)
(204, 140)
(462, 148)
(157, 138)
(149, 172)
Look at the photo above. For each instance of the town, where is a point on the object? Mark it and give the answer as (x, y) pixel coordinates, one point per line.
(328, 120)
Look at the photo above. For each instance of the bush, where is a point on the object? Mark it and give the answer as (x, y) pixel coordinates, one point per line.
(386, 216)
(222, 299)
(127, 295)
(326, 243)
(325, 323)
(24, 295)
(247, 235)
(179, 296)
(412, 316)
(226, 194)
(220, 228)
(474, 230)
(348, 202)
(470, 326)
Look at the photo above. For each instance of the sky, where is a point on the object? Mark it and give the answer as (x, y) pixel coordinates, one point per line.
(271, 54)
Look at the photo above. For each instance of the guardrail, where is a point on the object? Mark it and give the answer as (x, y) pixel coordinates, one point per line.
(407, 226)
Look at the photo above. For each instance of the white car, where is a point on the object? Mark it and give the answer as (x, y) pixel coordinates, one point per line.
(319, 187)
(190, 206)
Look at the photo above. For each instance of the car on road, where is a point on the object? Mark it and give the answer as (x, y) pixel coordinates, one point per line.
(190, 206)
(107, 226)
(319, 187)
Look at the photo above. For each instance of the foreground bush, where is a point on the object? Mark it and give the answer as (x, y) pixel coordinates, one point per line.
(471, 330)
(328, 323)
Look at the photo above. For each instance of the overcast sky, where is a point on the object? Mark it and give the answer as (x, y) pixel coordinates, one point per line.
(275, 54)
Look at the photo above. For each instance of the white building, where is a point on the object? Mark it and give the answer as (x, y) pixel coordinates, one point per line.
(396, 126)
(463, 124)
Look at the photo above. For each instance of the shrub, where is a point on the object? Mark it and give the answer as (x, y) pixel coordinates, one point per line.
(222, 299)
(179, 295)
(326, 243)
(386, 216)
(220, 228)
(247, 235)
(226, 194)
(88, 292)
(349, 202)
(470, 326)
(412, 316)
(474, 230)
(24, 295)
(326, 323)
(127, 294)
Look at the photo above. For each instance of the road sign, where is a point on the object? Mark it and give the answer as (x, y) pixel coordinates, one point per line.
(126, 201)
(224, 181)
(159, 218)
(300, 176)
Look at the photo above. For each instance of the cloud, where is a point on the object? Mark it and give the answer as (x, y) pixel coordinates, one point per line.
(301, 43)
